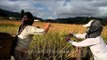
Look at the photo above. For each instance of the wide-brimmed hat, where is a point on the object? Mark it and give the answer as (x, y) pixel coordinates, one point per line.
(88, 24)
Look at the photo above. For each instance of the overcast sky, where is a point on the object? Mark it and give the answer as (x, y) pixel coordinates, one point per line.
(58, 8)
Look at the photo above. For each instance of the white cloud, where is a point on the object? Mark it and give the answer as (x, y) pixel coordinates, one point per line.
(58, 8)
(102, 12)
(81, 8)
(14, 5)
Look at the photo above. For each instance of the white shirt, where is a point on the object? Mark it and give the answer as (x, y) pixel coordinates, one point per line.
(25, 38)
(97, 46)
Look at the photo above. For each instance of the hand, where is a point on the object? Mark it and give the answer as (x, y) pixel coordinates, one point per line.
(48, 24)
(70, 34)
(67, 38)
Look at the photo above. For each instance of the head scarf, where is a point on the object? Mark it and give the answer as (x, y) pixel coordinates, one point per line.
(95, 29)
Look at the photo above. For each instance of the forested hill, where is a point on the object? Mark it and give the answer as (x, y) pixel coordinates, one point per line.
(6, 13)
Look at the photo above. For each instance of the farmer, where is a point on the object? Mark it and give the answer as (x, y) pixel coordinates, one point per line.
(25, 34)
(92, 39)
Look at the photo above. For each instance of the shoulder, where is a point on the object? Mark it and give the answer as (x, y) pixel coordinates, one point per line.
(97, 39)
(30, 27)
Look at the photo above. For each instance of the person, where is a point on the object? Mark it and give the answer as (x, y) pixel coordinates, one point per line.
(93, 39)
(25, 34)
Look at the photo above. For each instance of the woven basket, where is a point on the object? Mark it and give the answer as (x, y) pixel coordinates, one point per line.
(5, 45)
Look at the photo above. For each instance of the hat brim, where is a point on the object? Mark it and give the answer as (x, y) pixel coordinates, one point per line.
(88, 24)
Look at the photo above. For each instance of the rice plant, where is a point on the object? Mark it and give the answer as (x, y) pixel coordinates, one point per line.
(51, 46)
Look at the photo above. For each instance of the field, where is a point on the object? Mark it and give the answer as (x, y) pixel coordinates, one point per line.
(51, 46)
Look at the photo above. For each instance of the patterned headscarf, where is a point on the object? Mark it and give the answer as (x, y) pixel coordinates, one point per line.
(95, 29)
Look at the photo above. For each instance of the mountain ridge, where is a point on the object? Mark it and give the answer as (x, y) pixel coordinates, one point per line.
(6, 13)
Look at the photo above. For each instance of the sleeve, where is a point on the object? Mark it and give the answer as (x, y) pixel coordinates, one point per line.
(79, 35)
(84, 43)
(34, 30)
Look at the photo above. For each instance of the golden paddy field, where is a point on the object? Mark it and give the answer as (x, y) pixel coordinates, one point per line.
(51, 46)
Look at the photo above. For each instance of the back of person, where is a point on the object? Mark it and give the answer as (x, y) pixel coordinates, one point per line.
(100, 48)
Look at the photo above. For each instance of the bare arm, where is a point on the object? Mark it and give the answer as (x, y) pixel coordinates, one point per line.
(46, 28)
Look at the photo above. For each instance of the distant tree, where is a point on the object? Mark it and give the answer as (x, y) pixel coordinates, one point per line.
(22, 13)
